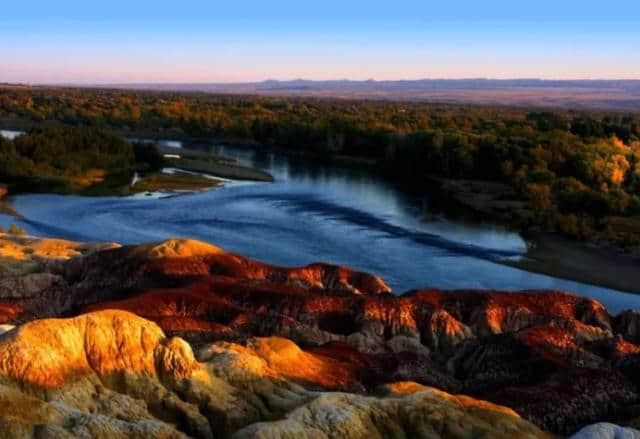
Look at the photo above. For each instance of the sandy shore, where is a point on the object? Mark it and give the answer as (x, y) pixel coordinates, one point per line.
(587, 263)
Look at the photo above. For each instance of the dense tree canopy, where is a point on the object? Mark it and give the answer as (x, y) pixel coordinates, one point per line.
(573, 167)
(59, 150)
(66, 158)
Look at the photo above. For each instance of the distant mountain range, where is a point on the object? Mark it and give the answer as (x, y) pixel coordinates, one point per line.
(578, 94)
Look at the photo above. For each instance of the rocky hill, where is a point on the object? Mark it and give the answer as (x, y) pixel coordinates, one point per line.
(113, 374)
(182, 338)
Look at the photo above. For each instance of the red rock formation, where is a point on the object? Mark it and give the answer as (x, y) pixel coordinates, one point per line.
(113, 374)
(9, 312)
(558, 359)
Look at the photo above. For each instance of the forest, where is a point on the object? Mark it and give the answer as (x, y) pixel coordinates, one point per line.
(68, 159)
(579, 172)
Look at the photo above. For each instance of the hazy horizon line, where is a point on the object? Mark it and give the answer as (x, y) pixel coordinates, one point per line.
(469, 78)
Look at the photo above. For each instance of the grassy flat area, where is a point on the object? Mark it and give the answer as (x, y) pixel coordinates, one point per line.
(177, 182)
(224, 170)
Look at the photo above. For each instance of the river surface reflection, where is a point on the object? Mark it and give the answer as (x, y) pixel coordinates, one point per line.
(311, 213)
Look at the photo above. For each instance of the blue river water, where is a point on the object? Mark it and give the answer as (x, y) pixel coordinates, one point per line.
(311, 213)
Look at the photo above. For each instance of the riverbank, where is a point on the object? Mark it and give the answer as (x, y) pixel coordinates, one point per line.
(217, 169)
(4, 207)
(480, 197)
(104, 178)
(584, 262)
(7, 210)
(178, 181)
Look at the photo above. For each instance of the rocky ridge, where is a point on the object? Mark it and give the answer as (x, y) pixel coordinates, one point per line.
(113, 374)
(298, 341)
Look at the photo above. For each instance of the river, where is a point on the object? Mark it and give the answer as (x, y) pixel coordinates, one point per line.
(311, 213)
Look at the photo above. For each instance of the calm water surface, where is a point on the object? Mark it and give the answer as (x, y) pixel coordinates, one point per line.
(311, 213)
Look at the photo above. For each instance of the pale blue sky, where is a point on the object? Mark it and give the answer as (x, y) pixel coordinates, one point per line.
(209, 41)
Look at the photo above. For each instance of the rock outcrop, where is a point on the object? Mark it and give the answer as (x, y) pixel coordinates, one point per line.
(627, 324)
(90, 370)
(558, 360)
(605, 430)
(25, 254)
(423, 414)
(113, 374)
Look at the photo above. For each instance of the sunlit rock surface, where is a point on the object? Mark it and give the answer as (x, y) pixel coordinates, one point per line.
(427, 413)
(113, 374)
(270, 338)
(22, 254)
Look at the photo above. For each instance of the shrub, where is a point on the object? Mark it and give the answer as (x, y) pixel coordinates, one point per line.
(14, 229)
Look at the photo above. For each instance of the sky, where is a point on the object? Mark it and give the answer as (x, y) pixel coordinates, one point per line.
(115, 41)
